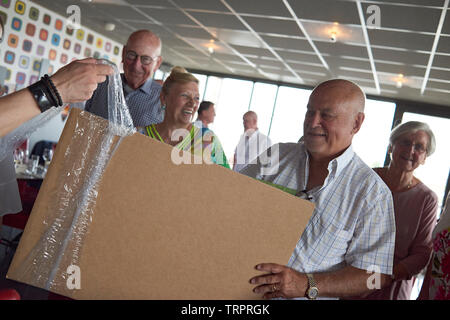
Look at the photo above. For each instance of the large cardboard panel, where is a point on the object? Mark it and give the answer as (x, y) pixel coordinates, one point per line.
(161, 230)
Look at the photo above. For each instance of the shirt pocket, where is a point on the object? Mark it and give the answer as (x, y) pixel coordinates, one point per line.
(332, 247)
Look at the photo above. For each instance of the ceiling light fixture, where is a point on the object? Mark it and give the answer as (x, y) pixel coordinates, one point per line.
(109, 26)
(211, 46)
(333, 36)
(399, 80)
(333, 32)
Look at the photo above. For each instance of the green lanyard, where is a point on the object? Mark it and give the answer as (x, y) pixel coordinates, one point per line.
(153, 133)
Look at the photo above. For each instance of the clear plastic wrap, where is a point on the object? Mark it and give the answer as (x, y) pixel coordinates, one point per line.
(14, 139)
(79, 168)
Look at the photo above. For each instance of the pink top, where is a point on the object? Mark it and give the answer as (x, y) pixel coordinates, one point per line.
(415, 218)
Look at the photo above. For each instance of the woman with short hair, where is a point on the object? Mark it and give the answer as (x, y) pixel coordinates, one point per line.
(415, 206)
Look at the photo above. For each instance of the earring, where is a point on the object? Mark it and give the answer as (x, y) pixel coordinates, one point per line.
(163, 107)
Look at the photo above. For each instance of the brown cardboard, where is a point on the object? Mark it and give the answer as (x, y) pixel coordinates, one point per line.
(160, 230)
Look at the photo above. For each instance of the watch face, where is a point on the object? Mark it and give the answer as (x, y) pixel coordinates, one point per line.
(313, 292)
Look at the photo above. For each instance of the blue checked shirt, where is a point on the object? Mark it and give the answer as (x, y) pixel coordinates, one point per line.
(143, 103)
(353, 221)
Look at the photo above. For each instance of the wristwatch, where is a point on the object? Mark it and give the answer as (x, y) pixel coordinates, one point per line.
(312, 292)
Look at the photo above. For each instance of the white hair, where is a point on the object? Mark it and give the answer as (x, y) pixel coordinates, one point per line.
(413, 127)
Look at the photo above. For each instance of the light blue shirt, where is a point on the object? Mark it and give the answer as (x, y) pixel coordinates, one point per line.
(353, 221)
(143, 103)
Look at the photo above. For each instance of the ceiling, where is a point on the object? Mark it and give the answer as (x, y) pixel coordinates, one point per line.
(290, 40)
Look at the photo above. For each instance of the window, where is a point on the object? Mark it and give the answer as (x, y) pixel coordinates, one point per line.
(263, 101)
(232, 99)
(372, 140)
(213, 88)
(158, 75)
(289, 113)
(202, 84)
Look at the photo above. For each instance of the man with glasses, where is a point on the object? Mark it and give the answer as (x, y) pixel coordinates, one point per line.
(141, 57)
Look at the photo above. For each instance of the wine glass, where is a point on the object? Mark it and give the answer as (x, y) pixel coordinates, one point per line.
(47, 155)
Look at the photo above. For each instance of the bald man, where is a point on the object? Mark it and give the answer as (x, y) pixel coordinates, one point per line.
(251, 144)
(351, 232)
(141, 57)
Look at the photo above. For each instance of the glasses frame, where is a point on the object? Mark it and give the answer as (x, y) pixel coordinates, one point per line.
(404, 143)
(141, 58)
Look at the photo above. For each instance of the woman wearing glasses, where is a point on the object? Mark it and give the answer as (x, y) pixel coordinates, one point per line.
(415, 206)
(180, 99)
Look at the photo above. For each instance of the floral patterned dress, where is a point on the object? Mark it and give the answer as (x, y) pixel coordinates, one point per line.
(440, 272)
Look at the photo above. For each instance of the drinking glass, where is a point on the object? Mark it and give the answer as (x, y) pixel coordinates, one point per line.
(33, 164)
(47, 155)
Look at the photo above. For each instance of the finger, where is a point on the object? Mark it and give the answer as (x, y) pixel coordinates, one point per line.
(103, 70)
(100, 68)
(100, 79)
(272, 295)
(270, 267)
(265, 279)
(265, 288)
(87, 60)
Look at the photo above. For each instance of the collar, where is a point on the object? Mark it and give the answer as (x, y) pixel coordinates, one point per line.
(338, 164)
(146, 87)
(335, 166)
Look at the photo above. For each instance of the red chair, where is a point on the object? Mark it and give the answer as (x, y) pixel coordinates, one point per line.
(9, 294)
(28, 192)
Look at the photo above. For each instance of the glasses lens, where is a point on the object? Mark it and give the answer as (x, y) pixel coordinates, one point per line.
(146, 59)
(131, 55)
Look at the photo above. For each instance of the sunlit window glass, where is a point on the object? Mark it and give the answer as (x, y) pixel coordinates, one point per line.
(159, 75)
(232, 103)
(289, 113)
(202, 84)
(372, 140)
(213, 89)
(263, 101)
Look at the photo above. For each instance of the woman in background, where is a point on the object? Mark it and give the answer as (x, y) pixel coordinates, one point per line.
(415, 207)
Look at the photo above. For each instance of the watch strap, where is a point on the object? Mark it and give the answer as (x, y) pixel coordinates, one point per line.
(41, 95)
(312, 287)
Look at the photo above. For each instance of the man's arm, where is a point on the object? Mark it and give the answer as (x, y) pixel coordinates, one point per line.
(282, 281)
(75, 82)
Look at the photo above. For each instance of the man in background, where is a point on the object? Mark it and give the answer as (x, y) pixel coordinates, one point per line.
(206, 114)
(141, 57)
(251, 144)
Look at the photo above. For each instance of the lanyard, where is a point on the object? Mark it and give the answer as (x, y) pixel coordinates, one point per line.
(153, 133)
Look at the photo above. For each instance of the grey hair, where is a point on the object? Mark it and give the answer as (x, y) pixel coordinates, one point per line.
(413, 127)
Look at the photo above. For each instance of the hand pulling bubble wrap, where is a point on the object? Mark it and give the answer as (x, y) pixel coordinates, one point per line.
(116, 218)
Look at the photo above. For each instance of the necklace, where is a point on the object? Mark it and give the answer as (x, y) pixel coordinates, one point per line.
(410, 183)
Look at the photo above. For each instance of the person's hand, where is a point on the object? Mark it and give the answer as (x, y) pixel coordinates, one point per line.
(279, 282)
(77, 81)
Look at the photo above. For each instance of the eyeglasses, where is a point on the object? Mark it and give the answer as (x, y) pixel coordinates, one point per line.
(145, 60)
(418, 147)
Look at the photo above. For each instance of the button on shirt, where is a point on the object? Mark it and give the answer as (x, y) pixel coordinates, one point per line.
(143, 103)
(353, 221)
